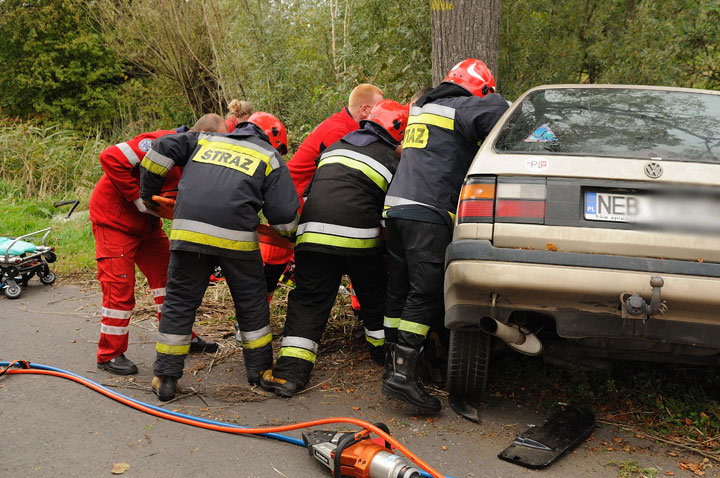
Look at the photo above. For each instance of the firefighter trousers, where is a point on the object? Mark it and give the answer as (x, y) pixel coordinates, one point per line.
(117, 255)
(188, 278)
(317, 278)
(416, 261)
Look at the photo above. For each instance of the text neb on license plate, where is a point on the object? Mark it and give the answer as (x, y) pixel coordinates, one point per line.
(670, 210)
(616, 207)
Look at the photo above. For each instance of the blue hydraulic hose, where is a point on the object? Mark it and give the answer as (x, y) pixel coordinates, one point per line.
(275, 436)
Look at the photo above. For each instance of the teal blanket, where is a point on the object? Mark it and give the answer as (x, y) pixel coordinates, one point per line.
(20, 247)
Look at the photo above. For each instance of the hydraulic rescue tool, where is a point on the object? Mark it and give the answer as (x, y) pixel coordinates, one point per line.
(356, 455)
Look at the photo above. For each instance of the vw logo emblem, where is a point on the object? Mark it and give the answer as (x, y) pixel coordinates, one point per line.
(653, 170)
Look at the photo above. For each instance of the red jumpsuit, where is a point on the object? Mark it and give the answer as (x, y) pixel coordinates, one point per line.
(125, 237)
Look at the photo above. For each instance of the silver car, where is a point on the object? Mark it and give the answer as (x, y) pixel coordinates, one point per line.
(588, 229)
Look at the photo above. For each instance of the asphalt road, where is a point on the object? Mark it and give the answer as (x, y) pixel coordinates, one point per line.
(54, 427)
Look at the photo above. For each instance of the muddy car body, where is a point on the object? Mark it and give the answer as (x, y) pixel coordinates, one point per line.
(589, 223)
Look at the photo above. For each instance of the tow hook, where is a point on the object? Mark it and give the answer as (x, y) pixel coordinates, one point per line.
(633, 306)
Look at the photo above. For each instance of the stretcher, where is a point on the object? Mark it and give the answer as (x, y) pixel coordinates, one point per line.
(20, 260)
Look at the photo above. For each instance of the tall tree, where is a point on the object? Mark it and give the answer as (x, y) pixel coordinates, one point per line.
(464, 29)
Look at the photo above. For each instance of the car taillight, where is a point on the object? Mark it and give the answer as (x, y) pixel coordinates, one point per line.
(477, 200)
(520, 200)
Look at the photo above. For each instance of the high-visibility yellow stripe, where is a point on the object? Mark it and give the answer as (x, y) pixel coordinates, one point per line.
(328, 240)
(237, 148)
(413, 327)
(257, 343)
(435, 120)
(375, 342)
(172, 349)
(297, 353)
(374, 176)
(208, 240)
(392, 322)
(154, 167)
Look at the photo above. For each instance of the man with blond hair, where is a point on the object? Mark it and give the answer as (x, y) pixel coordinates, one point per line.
(302, 165)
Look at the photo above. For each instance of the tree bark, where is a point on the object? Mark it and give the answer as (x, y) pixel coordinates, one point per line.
(463, 29)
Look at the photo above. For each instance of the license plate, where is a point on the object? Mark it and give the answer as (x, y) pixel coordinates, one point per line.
(614, 207)
(667, 211)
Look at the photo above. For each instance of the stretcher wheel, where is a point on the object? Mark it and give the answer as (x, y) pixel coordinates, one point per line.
(48, 278)
(469, 358)
(12, 290)
(50, 257)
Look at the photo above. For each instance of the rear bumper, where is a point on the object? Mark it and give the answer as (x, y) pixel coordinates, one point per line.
(581, 292)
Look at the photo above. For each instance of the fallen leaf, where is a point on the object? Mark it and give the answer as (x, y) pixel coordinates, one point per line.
(672, 453)
(688, 421)
(670, 473)
(325, 386)
(617, 439)
(638, 435)
(120, 468)
(444, 448)
(356, 408)
(551, 247)
(73, 341)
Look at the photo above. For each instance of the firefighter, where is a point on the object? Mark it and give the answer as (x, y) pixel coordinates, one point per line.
(340, 233)
(127, 234)
(302, 165)
(227, 179)
(444, 130)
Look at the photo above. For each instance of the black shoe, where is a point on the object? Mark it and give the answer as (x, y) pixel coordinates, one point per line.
(199, 345)
(377, 353)
(404, 383)
(279, 386)
(119, 366)
(388, 366)
(164, 388)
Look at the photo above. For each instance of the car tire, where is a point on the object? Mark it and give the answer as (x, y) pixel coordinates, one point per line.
(469, 360)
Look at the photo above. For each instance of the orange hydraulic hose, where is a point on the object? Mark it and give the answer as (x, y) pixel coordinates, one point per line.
(227, 429)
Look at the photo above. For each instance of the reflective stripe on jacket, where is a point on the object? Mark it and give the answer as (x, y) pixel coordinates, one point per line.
(227, 179)
(440, 142)
(111, 204)
(343, 208)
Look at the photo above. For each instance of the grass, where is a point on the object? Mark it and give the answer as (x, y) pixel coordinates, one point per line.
(631, 469)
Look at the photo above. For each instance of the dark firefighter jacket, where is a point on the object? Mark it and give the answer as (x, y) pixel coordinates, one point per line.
(227, 178)
(444, 131)
(344, 201)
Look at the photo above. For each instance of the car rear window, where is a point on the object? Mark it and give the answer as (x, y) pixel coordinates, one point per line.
(615, 122)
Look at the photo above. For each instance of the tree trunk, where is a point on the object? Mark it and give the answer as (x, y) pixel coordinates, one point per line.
(463, 29)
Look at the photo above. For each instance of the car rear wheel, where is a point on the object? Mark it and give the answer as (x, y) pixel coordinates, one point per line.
(469, 358)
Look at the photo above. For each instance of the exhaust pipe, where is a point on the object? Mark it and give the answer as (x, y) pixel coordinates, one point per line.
(514, 336)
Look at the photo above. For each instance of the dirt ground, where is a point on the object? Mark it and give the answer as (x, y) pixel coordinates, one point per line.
(55, 427)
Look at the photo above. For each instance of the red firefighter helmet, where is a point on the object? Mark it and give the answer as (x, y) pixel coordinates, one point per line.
(392, 116)
(473, 75)
(273, 128)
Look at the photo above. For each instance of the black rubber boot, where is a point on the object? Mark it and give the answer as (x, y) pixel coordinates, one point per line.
(200, 345)
(404, 383)
(164, 388)
(279, 386)
(119, 365)
(388, 368)
(257, 361)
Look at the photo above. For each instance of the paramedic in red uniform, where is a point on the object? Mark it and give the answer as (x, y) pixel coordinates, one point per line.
(302, 165)
(126, 234)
